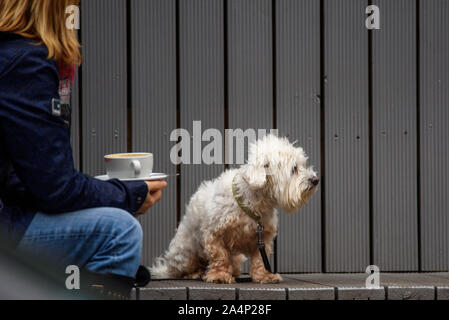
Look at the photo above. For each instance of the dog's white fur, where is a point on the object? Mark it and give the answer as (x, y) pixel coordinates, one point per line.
(215, 234)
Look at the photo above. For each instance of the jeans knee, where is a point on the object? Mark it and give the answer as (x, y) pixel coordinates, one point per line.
(136, 232)
(126, 227)
(123, 245)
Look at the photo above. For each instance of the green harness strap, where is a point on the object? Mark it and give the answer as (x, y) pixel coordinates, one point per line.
(239, 201)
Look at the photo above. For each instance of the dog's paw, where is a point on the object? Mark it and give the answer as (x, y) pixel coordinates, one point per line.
(268, 278)
(218, 277)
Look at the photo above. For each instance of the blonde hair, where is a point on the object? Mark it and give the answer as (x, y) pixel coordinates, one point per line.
(45, 22)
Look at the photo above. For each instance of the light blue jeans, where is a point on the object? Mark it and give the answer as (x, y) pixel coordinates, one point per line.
(104, 240)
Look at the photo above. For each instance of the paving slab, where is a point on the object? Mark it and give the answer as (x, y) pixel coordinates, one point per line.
(287, 282)
(293, 281)
(209, 293)
(360, 293)
(441, 276)
(312, 293)
(262, 294)
(442, 293)
(410, 293)
(167, 293)
(133, 295)
(175, 283)
(413, 279)
(350, 280)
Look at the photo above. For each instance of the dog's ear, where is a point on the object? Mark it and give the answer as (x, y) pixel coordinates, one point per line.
(255, 175)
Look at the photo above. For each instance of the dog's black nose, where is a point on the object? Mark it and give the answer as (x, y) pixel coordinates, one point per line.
(314, 181)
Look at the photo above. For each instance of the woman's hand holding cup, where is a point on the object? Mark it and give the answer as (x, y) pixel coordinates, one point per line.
(154, 194)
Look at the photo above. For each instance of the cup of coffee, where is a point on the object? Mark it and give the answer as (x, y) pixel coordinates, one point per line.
(129, 165)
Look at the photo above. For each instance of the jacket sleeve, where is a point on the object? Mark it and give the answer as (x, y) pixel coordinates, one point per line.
(37, 142)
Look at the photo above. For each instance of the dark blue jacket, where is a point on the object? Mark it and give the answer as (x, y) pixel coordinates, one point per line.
(36, 164)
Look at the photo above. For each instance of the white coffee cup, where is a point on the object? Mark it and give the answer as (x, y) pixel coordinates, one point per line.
(129, 165)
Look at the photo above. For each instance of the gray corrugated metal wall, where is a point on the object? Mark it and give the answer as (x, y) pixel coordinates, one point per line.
(369, 108)
(298, 92)
(395, 237)
(104, 97)
(201, 83)
(434, 129)
(346, 136)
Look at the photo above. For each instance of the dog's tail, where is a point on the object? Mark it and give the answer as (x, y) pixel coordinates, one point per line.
(159, 270)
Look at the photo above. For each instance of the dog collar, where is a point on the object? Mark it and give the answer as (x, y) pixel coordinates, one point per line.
(239, 201)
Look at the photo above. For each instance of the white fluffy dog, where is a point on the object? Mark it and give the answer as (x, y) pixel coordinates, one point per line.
(217, 233)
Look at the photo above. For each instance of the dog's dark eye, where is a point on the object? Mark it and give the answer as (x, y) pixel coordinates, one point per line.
(295, 169)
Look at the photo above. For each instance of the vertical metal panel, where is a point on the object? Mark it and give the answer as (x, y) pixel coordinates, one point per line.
(104, 81)
(394, 138)
(250, 64)
(153, 72)
(201, 83)
(298, 117)
(346, 136)
(434, 145)
(250, 67)
(75, 125)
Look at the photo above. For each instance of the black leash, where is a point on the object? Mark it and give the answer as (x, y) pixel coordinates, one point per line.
(261, 246)
(257, 218)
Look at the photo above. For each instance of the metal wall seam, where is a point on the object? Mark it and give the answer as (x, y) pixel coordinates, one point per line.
(434, 145)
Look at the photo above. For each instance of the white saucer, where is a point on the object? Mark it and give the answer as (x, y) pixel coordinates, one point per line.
(151, 177)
